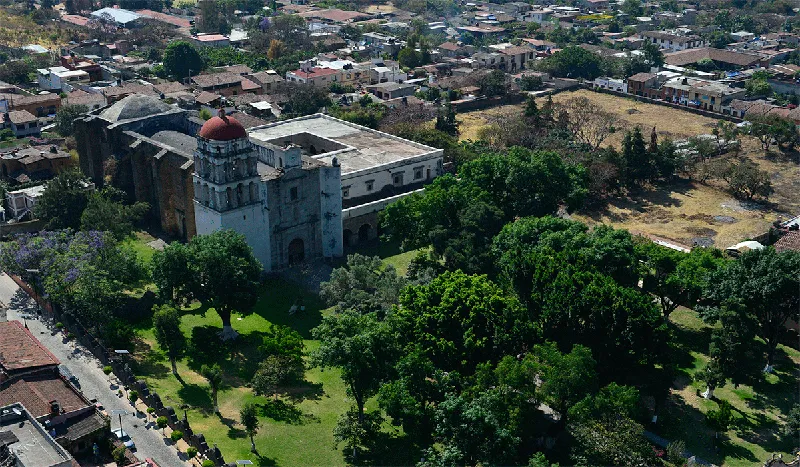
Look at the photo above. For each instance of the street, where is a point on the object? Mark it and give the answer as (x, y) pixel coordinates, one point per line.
(94, 383)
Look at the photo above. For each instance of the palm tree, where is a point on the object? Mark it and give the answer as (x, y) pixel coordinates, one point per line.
(250, 421)
(213, 374)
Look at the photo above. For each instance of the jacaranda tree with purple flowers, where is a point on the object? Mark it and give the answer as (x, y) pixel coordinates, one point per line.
(86, 273)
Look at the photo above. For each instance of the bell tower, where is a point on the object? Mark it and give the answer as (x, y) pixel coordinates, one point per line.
(227, 187)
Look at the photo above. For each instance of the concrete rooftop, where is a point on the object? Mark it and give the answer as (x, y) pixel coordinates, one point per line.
(367, 148)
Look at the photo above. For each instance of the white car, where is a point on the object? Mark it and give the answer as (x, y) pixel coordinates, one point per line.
(126, 440)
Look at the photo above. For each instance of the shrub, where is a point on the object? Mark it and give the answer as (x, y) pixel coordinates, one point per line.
(107, 370)
(162, 422)
(6, 134)
(176, 436)
(59, 325)
(208, 463)
(133, 396)
(150, 410)
(675, 451)
(119, 455)
(191, 452)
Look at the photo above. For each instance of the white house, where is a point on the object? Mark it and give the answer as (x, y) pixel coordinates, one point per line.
(59, 78)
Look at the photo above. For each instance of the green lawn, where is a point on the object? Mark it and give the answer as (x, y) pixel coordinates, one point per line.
(758, 406)
(296, 431)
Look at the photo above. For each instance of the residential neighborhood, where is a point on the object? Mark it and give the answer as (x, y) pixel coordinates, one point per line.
(440, 233)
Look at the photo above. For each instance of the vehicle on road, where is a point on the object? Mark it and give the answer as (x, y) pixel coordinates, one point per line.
(122, 435)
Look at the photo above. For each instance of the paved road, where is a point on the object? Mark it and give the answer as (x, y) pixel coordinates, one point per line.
(94, 383)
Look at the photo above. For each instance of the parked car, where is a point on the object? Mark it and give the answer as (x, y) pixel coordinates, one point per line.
(69, 376)
(122, 435)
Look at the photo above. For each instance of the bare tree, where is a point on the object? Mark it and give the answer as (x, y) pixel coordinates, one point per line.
(587, 121)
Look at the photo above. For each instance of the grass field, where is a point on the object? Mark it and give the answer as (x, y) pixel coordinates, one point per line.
(758, 406)
(683, 211)
(296, 431)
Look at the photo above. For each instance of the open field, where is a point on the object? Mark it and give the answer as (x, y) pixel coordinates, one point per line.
(17, 31)
(757, 406)
(684, 211)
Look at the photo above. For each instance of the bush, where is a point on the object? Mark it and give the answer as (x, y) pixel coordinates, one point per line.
(162, 422)
(191, 452)
(59, 325)
(176, 436)
(119, 455)
(107, 370)
(133, 396)
(6, 134)
(150, 410)
(208, 463)
(675, 451)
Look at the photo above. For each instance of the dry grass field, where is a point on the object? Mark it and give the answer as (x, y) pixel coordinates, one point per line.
(684, 212)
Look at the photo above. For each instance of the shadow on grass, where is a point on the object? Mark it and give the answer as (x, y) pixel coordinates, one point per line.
(282, 411)
(305, 391)
(233, 431)
(264, 461)
(278, 296)
(197, 397)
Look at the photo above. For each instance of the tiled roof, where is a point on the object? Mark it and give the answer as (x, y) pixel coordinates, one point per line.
(85, 98)
(170, 87)
(789, 242)
(248, 121)
(520, 49)
(240, 69)
(206, 97)
(686, 57)
(21, 116)
(449, 46)
(315, 72)
(216, 79)
(642, 77)
(263, 77)
(248, 85)
(165, 18)
(20, 350)
(335, 15)
(36, 392)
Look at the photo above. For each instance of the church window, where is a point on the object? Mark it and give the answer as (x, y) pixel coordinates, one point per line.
(417, 173)
(370, 185)
(345, 192)
(397, 179)
(293, 193)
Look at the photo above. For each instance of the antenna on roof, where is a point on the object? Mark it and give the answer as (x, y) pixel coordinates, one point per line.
(221, 112)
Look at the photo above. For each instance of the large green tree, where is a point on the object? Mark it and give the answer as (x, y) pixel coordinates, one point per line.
(65, 117)
(573, 62)
(167, 327)
(365, 284)
(106, 211)
(218, 269)
(181, 60)
(763, 283)
(63, 201)
(362, 347)
(459, 321)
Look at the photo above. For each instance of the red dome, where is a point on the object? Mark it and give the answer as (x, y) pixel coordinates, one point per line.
(224, 128)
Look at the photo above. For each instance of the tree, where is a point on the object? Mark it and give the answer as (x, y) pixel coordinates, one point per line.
(249, 417)
(446, 119)
(719, 39)
(639, 167)
(205, 114)
(65, 117)
(303, 99)
(566, 378)
(213, 374)
(588, 122)
(660, 263)
(222, 254)
(363, 348)
(276, 371)
(458, 321)
(611, 402)
(105, 211)
(365, 284)
(616, 442)
(746, 180)
(573, 62)
(763, 283)
(167, 327)
(758, 87)
(356, 429)
(531, 82)
(162, 423)
(63, 201)
(632, 8)
(792, 428)
(720, 419)
(181, 59)
(652, 54)
(120, 455)
(494, 84)
(133, 396)
(172, 273)
(282, 340)
(275, 49)
(191, 452)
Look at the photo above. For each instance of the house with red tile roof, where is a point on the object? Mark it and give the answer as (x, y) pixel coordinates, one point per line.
(21, 353)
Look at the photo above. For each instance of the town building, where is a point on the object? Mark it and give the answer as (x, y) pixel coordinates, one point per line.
(25, 443)
(211, 40)
(225, 84)
(119, 16)
(23, 123)
(297, 189)
(25, 164)
(59, 78)
(21, 202)
(390, 90)
(314, 75)
(672, 42)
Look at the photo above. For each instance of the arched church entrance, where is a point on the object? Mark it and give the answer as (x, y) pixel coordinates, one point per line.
(297, 251)
(364, 233)
(347, 236)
